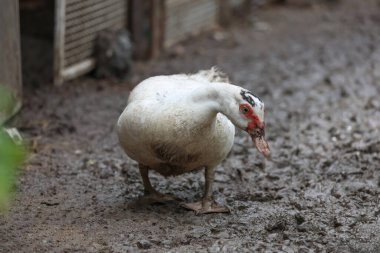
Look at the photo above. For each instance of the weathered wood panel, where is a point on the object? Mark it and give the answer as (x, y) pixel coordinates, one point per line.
(77, 24)
(158, 26)
(140, 26)
(230, 9)
(10, 58)
(188, 17)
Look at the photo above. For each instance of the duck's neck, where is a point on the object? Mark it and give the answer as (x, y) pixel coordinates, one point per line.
(226, 98)
(217, 97)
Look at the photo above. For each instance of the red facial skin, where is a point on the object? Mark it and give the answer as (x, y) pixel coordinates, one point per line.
(255, 128)
(254, 122)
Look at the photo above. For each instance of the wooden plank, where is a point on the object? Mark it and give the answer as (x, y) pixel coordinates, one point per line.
(228, 9)
(79, 4)
(88, 38)
(184, 18)
(176, 3)
(93, 10)
(225, 16)
(78, 69)
(10, 56)
(59, 41)
(91, 31)
(96, 21)
(79, 45)
(71, 2)
(83, 20)
(141, 27)
(81, 52)
(158, 26)
(75, 58)
(189, 17)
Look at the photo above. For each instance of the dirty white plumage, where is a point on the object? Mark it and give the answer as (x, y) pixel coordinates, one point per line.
(181, 123)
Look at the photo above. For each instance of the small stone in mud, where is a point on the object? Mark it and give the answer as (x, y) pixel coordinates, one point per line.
(199, 232)
(166, 243)
(279, 225)
(299, 218)
(144, 244)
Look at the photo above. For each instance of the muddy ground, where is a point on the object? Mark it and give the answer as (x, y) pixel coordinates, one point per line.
(318, 70)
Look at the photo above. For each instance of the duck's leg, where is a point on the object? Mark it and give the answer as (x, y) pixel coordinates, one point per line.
(207, 204)
(150, 194)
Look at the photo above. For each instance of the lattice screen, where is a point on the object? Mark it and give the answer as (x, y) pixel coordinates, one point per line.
(77, 24)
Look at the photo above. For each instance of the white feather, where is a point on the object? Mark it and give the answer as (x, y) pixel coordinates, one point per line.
(179, 123)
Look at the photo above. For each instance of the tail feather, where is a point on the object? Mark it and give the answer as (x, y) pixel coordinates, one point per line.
(212, 75)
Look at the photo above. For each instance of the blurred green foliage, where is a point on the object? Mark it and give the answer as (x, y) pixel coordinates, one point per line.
(12, 156)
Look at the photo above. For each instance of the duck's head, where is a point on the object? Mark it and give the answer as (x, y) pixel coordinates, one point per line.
(249, 116)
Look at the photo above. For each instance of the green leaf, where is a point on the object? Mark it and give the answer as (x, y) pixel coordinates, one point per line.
(7, 101)
(12, 156)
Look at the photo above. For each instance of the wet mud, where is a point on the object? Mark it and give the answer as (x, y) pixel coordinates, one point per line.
(318, 71)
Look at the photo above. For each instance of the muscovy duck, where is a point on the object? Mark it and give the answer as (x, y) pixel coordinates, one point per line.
(181, 123)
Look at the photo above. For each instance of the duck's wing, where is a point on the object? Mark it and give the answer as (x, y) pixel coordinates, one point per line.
(164, 88)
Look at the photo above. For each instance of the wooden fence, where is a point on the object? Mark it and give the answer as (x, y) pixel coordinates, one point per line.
(10, 63)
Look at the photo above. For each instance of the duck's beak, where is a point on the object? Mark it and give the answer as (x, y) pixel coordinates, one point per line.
(258, 137)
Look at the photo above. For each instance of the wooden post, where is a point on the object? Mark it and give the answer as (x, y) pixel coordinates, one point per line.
(228, 11)
(146, 23)
(158, 26)
(224, 12)
(10, 56)
(140, 25)
(59, 41)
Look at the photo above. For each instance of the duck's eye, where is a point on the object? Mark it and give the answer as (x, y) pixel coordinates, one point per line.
(244, 110)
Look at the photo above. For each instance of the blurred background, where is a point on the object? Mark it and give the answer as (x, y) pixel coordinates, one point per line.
(62, 40)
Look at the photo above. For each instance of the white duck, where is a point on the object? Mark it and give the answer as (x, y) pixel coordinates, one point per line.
(181, 123)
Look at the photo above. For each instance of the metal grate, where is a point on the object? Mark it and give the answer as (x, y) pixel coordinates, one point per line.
(77, 25)
(185, 17)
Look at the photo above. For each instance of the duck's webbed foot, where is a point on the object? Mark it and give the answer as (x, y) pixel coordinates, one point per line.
(151, 196)
(207, 205)
(203, 207)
